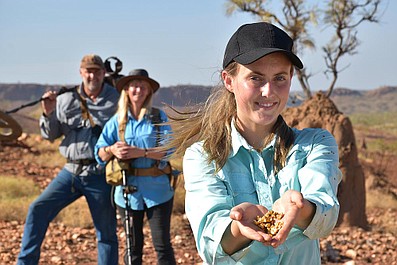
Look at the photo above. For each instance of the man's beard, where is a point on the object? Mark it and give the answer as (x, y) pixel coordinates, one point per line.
(93, 86)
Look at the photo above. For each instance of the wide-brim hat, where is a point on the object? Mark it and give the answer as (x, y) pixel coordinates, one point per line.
(140, 74)
(253, 41)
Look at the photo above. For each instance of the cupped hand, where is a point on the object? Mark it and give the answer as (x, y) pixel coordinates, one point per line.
(290, 204)
(244, 215)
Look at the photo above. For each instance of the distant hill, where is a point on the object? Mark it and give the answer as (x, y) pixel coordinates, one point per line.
(181, 95)
(13, 94)
(24, 92)
(382, 99)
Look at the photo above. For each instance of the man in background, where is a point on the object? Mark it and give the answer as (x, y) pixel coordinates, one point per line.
(78, 116)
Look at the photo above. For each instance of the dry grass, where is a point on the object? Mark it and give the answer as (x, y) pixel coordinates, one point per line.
(16, 195)
(373, 197)
(48, 156)
(376, 199)
(76, 214)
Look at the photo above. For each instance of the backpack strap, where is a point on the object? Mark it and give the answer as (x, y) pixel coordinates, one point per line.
(84, 109)
(122, 131)
(156, 120)
(155, 116)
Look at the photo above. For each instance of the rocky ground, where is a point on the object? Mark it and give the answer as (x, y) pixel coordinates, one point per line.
(74, 245)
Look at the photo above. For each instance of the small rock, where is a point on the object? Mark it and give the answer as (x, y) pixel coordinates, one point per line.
(350, 253)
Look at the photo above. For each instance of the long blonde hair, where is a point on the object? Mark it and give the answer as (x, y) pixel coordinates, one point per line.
(211, 123)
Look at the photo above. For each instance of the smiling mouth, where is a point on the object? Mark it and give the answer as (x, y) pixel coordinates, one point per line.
(266, 105)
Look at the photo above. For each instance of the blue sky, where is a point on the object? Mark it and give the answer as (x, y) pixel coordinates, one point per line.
(177, 41)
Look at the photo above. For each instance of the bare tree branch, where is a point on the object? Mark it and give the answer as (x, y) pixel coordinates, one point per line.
(345, 16)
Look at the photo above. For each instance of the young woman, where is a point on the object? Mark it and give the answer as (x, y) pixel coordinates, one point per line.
(152, 193)
(241, 160)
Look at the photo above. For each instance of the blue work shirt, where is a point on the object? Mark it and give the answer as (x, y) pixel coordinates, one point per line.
(151, 191)
(312, 169)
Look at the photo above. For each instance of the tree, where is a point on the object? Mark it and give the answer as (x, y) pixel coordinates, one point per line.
(297, 18)
(344, 16)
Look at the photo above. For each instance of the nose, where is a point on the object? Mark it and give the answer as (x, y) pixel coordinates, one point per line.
(266, 89)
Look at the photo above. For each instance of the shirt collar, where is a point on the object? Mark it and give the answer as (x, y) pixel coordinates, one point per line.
(239, 141)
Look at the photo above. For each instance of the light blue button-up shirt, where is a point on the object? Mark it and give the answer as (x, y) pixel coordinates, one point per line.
(78, 138)
(151, 191)
(312, 169)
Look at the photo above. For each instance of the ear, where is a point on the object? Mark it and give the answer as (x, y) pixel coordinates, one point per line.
(227, 81)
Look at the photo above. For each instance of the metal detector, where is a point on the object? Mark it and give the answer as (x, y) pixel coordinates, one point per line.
(127, 189)
(9, 128)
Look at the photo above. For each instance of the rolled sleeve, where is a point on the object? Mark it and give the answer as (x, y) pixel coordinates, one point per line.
(108, 137)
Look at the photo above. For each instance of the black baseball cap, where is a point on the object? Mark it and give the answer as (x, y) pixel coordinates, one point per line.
(253, 41)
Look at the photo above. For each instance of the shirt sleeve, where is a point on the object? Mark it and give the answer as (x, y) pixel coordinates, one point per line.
(207, 203)
(319, 180)
(109, 136)
(50, 127)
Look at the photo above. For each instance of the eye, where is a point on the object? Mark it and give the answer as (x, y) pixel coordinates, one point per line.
(257, 81)
(256, 78)
(280, 78)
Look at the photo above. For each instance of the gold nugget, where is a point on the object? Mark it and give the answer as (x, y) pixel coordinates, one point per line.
(270, 223)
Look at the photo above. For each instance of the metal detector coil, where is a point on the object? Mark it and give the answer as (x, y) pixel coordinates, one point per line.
(9, 128)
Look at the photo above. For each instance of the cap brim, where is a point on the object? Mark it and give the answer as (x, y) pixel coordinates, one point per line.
(126, 79)
(254, 55)
(91, 66)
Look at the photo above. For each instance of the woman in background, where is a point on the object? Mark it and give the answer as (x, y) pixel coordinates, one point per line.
(152, 193)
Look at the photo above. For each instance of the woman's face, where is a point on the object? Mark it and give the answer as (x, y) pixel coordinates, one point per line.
(261, 91)
(138, 91)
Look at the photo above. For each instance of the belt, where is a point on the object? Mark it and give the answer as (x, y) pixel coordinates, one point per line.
(83, 162)
(152, 171)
